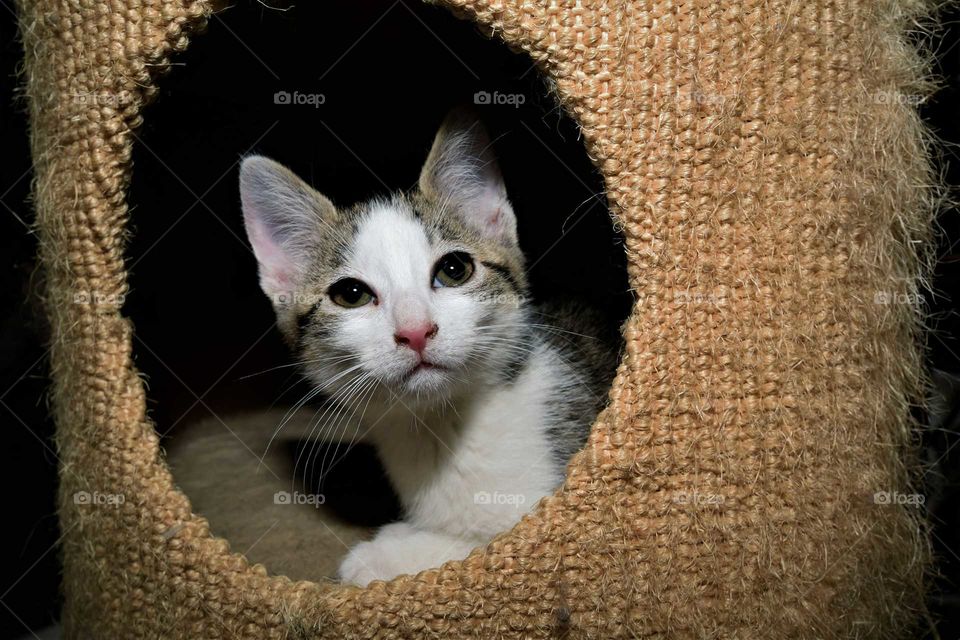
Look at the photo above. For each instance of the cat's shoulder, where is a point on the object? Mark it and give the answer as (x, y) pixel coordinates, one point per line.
(579, 330)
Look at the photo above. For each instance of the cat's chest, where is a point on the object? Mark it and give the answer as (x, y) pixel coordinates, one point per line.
(483, 468)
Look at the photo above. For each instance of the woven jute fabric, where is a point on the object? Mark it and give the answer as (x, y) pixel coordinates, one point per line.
(767, 168)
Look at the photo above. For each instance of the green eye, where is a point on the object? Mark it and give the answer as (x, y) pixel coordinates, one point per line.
(453, 270)
(351, 293)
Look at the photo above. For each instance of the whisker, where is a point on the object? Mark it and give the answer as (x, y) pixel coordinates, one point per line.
(369, 392)
(312, 393)
(342, 395)
(299, 363)
(341, 418)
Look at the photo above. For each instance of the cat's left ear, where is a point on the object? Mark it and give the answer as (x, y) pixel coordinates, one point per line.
(461, 173)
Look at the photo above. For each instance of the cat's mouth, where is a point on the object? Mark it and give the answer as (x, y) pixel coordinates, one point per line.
(422, 367)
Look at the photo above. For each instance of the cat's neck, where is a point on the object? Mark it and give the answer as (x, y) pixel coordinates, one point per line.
(390, 414)
(414, 441)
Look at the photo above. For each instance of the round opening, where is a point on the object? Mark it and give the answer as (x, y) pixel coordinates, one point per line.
(350, 98)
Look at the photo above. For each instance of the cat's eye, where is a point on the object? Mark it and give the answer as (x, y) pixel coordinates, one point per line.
(453, 270)
(351, 293)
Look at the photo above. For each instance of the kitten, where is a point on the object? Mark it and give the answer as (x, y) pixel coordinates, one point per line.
(412, 313)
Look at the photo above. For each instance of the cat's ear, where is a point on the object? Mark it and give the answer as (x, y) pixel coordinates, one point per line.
(461, 173)
(284, 217)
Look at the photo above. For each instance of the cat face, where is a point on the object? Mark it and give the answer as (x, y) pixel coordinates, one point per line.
(418, 296)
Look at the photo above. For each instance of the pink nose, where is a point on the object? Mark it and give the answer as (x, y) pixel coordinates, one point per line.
(417, 338)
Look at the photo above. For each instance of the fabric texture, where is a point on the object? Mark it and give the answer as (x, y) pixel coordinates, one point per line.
(771, 178)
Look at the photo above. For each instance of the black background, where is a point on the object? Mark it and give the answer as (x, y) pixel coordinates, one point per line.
(388, 74)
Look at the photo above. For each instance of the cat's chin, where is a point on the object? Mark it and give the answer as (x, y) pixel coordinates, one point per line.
(427, 380)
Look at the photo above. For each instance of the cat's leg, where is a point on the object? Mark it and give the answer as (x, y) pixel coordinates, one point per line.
(400, 548)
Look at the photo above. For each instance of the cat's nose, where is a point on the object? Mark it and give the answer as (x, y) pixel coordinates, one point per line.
(416, 338)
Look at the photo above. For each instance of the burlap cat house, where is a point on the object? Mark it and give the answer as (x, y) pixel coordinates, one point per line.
(767, 169)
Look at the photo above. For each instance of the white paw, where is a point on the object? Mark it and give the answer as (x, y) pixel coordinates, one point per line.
(365, 563)
(397, 549)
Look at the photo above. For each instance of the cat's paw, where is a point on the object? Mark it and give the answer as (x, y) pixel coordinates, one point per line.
(399, 548)
(365, 563)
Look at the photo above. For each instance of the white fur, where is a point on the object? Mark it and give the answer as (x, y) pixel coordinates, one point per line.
(444, 465)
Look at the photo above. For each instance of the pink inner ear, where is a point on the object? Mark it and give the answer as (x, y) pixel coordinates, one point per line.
(488, 206)
(277, 271)
(498, 222)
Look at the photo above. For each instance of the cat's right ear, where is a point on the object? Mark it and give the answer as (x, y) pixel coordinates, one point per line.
(284, 218)
(461, 173)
